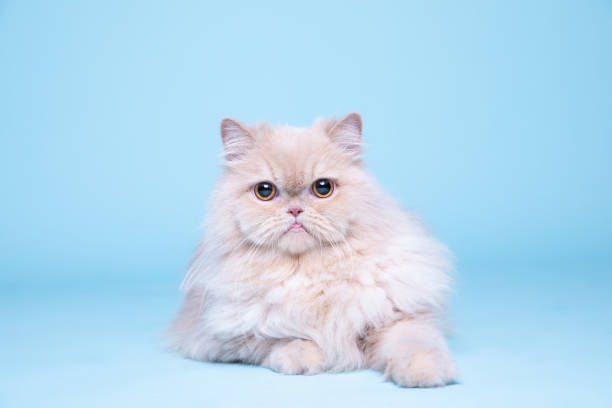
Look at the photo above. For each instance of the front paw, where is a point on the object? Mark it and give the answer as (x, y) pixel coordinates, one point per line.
(432, 368)
(295, 357)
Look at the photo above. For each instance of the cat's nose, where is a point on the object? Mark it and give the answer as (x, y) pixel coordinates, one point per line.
(295, 211)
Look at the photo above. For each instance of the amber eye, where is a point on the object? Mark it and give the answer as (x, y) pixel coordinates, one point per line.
(323, 188)
(265, 190)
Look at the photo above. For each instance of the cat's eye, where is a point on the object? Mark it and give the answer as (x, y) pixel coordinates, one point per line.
(323, 188)
(265, 190)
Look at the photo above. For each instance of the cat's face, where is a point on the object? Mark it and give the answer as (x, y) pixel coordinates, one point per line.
(293, 190)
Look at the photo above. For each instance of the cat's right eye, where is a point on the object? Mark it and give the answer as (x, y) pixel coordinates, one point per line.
(265, 190)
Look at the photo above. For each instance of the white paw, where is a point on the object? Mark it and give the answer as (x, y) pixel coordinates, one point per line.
(295, 357)
(431, 368)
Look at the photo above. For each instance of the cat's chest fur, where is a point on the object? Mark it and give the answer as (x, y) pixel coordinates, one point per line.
(333, 301)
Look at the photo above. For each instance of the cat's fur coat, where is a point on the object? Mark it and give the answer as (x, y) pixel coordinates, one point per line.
(362, 284)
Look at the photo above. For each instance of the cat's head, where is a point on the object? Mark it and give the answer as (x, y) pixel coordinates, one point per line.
(293, 189)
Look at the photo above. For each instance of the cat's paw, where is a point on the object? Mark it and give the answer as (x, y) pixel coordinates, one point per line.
(295, 357)
(431, 368)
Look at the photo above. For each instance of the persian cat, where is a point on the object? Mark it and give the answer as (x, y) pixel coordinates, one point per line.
(307, 265)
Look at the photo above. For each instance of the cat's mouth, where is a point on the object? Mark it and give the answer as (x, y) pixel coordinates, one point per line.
(296, 227)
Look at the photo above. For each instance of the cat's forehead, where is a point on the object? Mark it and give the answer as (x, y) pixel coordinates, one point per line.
(294, 157)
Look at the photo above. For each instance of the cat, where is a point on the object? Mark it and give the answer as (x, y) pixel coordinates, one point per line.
(307, 265)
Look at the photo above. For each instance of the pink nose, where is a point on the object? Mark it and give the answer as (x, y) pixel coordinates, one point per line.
(295, 211)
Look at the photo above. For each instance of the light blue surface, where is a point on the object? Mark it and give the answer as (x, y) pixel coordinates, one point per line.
(491, 120)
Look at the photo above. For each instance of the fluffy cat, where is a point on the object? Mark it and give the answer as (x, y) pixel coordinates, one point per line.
(307, 265)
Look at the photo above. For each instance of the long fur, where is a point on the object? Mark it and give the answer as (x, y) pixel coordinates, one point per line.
(364, 286)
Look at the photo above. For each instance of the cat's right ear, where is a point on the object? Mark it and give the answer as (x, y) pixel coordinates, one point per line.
(236, 139)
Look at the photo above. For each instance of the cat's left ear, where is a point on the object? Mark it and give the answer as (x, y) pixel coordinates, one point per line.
(347, 133)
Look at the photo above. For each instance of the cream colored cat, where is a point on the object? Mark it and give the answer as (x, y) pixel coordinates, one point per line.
(307, 265)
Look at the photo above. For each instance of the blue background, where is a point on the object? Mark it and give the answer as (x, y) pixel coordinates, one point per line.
(492, 120)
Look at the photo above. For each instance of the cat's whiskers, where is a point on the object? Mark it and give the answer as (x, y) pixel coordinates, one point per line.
(320, 244)
(261, 238)
(350, 251)
(254, 244)
(337, 251)
(325, 228)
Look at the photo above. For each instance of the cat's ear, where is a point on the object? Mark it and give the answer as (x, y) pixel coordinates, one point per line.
(236, 138)
(347, 133)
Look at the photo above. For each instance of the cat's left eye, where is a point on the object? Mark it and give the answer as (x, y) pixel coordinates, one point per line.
(323, 188)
